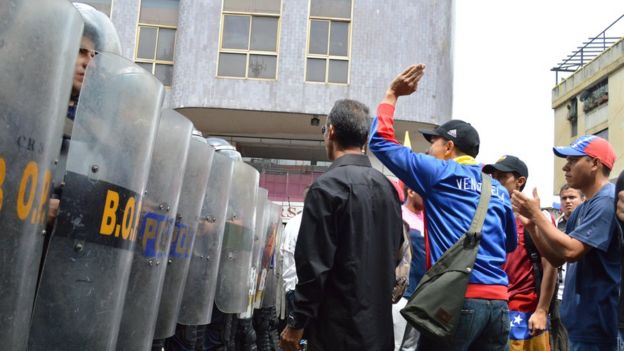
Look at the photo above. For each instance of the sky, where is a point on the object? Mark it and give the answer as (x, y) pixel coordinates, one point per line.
(503, 53)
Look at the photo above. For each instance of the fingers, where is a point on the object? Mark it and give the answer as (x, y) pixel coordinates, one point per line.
(535, 194)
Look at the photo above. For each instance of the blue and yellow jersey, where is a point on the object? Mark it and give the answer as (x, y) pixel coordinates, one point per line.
(451, 191)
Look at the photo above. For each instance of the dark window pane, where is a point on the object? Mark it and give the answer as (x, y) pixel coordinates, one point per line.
(264, 33)
(339, 39)
(164, 73)
(315, 70)
(147, 43)
(164, 12)
(146, 66)
(232, 65)
(331, 8)
(338, 71)
(318, 37)
(262, 6)
(236, 32)
(166, 41)
(262, 66)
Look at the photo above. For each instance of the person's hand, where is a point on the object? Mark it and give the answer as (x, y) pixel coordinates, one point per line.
(406, 82)
(620, 206)
(53, 207)
(290, 338)
(525, 206)
(538, 321)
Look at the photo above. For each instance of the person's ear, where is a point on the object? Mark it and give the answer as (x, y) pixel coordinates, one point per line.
(521, 181)
(449, 146)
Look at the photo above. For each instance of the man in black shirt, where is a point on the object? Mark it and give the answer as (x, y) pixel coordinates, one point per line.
(347, 246)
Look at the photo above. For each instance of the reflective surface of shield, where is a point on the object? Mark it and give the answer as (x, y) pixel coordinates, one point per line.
(194, 186)
(160, 204)
(262, 212)
(234, 268)
(39, 42)
(80, 297)
(201, 283)
(266, 279)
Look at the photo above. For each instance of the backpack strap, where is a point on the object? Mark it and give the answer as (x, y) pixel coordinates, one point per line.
(479, 218)
(536, 260)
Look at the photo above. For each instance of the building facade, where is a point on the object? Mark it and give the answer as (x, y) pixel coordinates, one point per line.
(264, 73)
(591, 101)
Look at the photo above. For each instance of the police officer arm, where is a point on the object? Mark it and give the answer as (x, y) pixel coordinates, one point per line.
(556, 246)
(539, 319)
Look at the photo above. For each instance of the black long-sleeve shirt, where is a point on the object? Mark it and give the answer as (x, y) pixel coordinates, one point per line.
(345, 256)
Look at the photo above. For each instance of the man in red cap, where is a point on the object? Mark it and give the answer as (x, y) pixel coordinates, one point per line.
(591, 247)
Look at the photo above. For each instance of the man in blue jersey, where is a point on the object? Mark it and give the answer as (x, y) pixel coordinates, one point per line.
(591, 246)
(449, 179)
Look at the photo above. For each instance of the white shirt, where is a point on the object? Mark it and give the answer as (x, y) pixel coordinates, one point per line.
(291, 231)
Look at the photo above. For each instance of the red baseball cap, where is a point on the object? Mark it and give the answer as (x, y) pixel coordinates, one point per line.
(589, 145)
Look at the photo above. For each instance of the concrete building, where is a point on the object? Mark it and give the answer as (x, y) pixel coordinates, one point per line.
(264, 73)
(591, 99)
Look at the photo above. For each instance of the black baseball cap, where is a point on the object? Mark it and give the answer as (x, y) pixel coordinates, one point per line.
(508, 163)
(463, 134)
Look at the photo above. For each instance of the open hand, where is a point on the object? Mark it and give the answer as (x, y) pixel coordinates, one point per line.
(525, 206)
(407, 82)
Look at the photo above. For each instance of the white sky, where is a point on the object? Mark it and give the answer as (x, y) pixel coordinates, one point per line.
(502, 81)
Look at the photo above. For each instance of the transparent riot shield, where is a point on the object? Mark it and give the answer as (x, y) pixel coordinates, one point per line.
(266, 276)
(201, 283)
(259, 238)
(34, 95)
(85, 274)
(278, 268)
(160, 204)
(234, 268)
(194, 187)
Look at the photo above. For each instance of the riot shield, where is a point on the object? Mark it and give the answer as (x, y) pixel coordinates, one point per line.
(201, 284)
(194, 187)
(280, 294)
(33, 101)
(156, 224)
(266, 279)
(85, 274)
(259, 239)
(235, 262)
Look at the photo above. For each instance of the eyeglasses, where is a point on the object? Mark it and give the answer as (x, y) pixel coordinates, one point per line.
(323, 129)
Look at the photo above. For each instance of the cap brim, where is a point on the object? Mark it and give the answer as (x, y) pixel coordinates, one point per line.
(489, 169)
(428, 133)
(565, 151)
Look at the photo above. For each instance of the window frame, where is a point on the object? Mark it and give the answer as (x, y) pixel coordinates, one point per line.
(154, 61)
(248, 52)
(328, 57)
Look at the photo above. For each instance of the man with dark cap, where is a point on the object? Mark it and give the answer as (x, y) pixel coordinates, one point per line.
(591, 246)
(532, 279)
(449, 180)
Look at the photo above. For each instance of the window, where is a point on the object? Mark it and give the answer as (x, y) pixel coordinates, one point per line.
(328, 52)
(156, 37)
(249, 39)
(100, 5)
(573, 116)
(603, 134)
(595, 96)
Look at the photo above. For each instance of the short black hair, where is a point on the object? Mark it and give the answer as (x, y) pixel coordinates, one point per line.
(351, 121)
(567, 186)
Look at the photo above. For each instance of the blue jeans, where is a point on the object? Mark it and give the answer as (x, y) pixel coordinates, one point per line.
(581, 346)
(483, 326)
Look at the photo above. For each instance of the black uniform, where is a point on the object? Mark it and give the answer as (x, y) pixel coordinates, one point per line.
(346, 253)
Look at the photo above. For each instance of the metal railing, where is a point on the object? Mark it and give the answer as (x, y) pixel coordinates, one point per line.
(588, 51)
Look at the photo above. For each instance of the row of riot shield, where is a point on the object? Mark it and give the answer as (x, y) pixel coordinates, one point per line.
(154, 226)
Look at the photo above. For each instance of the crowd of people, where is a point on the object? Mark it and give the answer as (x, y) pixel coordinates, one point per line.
(538, 282)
